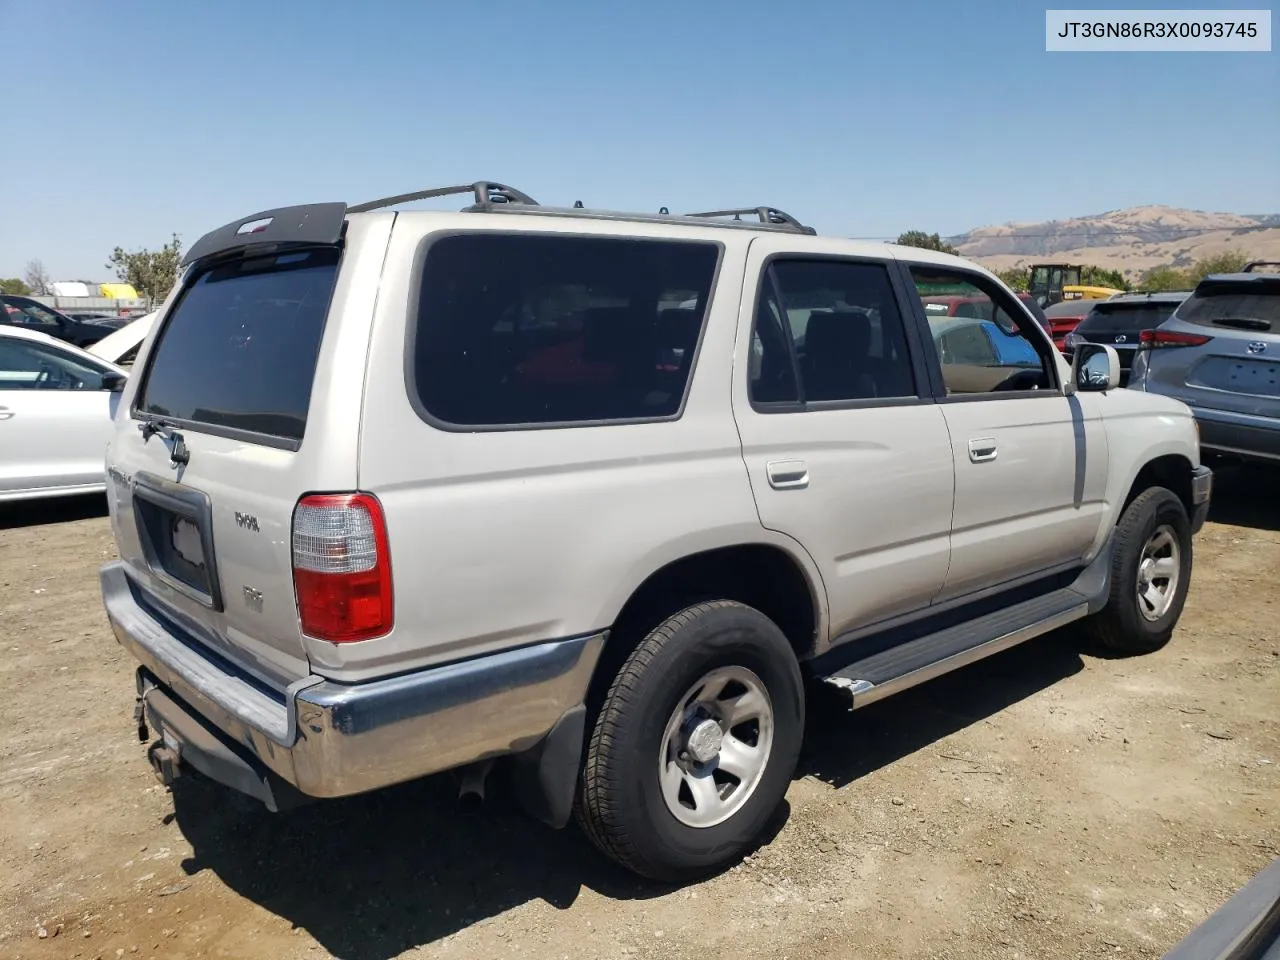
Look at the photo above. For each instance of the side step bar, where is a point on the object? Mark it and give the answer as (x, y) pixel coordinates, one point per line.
(885, 673)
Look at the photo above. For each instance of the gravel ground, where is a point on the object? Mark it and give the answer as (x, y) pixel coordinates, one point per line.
(1048, 802)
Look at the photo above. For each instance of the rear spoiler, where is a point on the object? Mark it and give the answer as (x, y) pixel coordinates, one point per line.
(312, 224)
(1254, 264)
(320, 224)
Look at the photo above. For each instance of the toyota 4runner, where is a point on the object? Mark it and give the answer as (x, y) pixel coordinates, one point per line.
(597, 495)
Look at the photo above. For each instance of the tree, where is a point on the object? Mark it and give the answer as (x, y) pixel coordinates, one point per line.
(37, 278)
(16, 286)
(1098, 277)
(928, 241)
(1229, 261)
(1015, 278)
(151, 272)
(1164, 278)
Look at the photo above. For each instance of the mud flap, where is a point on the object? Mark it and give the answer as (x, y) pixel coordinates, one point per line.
(545, 777)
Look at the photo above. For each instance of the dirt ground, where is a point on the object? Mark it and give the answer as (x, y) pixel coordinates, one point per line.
(1048, 802)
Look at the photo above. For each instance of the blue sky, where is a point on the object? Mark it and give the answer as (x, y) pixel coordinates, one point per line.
(132, 120)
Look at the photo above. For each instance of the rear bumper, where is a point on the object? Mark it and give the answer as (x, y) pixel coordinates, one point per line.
(330, 739)
(1241, 435)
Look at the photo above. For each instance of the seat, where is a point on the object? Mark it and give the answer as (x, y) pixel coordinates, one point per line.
(836, 347)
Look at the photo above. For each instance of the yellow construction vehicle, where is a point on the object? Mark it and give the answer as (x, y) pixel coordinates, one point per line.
(1051, 283)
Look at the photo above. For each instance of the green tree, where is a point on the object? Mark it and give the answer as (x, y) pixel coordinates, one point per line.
(151, 272)
(16, 286)
(928, 241)
(1229, 261)
(1166, 277)
(1015, 278)
(1099, 277)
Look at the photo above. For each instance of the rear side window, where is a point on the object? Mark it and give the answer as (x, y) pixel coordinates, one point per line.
(532, 329)
(238, 351)
(1252, 305)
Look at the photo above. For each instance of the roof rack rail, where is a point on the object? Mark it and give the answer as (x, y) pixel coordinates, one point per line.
(486, 192)
(767, 215)
(1252, 264)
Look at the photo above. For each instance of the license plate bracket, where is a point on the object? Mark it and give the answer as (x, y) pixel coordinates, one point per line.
(175, 529)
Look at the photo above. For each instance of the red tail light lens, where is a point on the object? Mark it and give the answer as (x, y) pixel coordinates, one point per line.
(342, 567)
(1171, 338)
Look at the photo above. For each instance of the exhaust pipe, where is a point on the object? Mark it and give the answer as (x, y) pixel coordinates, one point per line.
(471, 789)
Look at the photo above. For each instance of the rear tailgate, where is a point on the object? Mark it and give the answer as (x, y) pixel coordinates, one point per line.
(249, 397)
(1232, 362)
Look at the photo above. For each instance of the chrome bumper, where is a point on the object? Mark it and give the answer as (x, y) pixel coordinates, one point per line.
(331, 739)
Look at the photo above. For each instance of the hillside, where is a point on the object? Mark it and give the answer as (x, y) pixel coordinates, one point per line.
(1132, 240)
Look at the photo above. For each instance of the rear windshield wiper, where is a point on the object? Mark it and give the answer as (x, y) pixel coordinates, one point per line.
(1243, 323)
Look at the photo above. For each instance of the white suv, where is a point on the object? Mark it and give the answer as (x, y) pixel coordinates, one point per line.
(591, 494)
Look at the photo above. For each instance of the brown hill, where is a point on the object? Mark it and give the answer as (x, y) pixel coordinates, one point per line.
(1132, 240)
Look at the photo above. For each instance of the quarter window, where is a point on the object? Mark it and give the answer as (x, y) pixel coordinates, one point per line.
(529, 329)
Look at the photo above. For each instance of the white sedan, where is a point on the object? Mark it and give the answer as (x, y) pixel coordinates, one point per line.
(56, 407)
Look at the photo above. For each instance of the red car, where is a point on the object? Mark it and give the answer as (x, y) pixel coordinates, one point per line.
(1065, 317)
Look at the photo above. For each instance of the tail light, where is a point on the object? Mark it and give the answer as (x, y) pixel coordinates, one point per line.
(342, 567)
(1153, 339)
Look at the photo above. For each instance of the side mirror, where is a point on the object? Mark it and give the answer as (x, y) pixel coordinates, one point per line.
(113, 382)
(1095, 367)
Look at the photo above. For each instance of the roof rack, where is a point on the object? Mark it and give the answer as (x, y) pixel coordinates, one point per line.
(1252, 264)
(486, 193)
(771, 216)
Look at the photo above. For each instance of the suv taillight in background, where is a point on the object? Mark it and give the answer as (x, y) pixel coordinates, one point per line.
(1154, 339)
(342, 567)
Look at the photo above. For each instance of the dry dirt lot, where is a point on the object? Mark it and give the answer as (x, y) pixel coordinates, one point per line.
(1049, 802)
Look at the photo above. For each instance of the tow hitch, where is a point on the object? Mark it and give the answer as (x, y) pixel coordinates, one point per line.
(165, 762)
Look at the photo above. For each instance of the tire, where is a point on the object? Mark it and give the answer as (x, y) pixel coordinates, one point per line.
(1127, 624)
(636, 799)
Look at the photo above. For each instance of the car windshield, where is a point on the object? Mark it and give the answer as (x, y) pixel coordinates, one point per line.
(1251, 305)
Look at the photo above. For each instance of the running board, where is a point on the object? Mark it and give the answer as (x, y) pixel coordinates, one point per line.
(885, 673)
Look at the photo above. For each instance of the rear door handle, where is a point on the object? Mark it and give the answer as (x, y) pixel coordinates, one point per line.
(787, 474)
(982, 450)
(6, 413)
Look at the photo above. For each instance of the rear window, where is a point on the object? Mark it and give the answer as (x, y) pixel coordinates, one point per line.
(1252, 305)
(1124, 318)
(238, 351)
(531, 329)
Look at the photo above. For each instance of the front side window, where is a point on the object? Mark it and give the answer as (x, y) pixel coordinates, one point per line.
(845, 333)
(992, 347)
(531, 329)
(36, 366)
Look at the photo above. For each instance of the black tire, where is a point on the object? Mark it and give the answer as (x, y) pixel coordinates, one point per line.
(620, 804)
(1121, 625)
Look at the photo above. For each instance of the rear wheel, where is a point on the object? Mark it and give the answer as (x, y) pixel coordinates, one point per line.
(695, 744)
(1150, 574)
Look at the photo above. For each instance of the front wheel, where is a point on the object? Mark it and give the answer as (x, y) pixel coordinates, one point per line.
(695, 743)
(1150, 574)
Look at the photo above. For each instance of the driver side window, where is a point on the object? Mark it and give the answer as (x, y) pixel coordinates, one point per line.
(26, 365)
(985, 341)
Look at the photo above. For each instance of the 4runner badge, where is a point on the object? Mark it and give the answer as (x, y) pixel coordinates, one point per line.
(247, 521)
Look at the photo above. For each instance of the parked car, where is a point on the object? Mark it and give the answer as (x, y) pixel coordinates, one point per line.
(1120, 322)
(121, 346)
(981, 356)
(114, 320)
(403, 492)
(16, 311)
(1065, 316)
(56, 407)
(957, 305)
(1220, 354)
